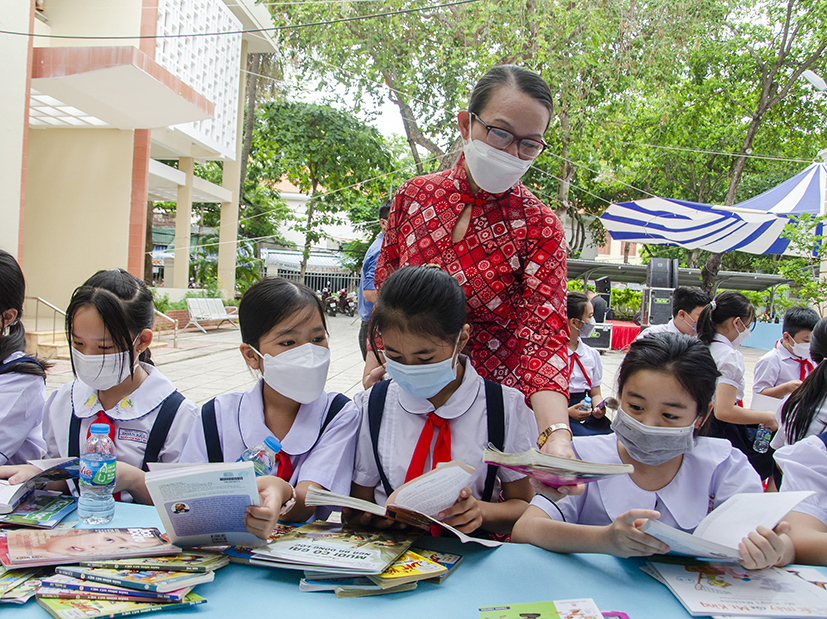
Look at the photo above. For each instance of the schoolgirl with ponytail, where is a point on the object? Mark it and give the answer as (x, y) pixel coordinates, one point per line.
(22, 378)
(724, 325)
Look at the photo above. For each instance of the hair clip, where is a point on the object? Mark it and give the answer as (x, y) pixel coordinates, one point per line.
(433, 265)
(713, 305)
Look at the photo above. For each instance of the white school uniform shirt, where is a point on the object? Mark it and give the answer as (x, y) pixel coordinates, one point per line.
(22, 397)
(817, 426)
(709, 474)
(132, 418)
(404, 417)
(590, 359)
(326, 460)
(777, 366)
(730, 364)
(669, 327)
(805, 468)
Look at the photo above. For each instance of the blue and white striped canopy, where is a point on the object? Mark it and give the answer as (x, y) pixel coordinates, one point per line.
(692, 225)
(803, 193)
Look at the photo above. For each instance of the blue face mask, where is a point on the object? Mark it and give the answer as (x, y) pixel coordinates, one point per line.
(426, 380)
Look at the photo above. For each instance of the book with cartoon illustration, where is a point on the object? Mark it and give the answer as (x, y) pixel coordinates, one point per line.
(244, 555)
(410, 567)
(447, 560)
(728, 589)
(54, 469)
(90, 609)
(42, 509)
(185, 562)
(558, 609)
(77, 588)
(143, 580)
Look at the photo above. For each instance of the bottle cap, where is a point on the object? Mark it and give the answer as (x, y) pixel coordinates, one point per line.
(273, 443)
(99, 428)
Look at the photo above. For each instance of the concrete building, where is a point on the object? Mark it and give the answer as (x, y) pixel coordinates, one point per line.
(95, 96)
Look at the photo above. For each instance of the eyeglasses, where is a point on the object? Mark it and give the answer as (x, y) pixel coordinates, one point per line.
(528, 148)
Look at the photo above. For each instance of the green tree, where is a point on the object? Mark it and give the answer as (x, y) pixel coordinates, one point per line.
(806, 237)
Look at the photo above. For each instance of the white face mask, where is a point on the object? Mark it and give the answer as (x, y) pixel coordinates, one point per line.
(425, 380)
(801, 349)
(743, 336)
(693, 326)
(494, 170)
(102, 372)
(652, 444)
(299, 373)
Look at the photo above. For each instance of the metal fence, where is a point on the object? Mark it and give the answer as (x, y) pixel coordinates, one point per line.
(334, 282)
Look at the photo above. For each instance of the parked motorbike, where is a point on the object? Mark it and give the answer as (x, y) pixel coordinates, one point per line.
(346, 304)
(330, 302)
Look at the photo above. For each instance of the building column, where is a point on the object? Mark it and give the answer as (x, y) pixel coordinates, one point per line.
(137, 212)
(183, 222)
(228, 229)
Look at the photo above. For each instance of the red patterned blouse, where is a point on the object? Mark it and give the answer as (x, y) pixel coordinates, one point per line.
(511, 264)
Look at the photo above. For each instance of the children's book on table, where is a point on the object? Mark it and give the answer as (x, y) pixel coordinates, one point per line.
(185, 562)
(91, 609)
(144, 580)
(557, 609)
(42, 509)
(60, 585)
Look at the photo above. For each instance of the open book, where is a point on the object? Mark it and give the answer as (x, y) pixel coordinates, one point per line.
(718, 535)
(416, 503)
(552, 470)
(205, 504)
(55, 469)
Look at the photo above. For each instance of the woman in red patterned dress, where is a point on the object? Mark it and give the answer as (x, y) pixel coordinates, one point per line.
(505, 247)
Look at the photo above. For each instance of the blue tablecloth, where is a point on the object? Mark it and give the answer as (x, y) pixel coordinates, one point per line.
(509, 574)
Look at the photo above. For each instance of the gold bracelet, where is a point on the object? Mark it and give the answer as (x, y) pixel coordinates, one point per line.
(541, 440)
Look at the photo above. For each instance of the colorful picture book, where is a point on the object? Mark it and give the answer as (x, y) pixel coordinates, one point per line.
(34, 547)
(23, 591)
(718, 534)
(410, 567)
(83, 589)
(185, 562)
(415, 503)
(553, 470)
(9, 579)
(144, 580)
(205, 504)
(446, 559)
(90, 609)
(244, 555)
(326, 546)
(558, 609)
(728, 589)
(42, 509)
(56, 469)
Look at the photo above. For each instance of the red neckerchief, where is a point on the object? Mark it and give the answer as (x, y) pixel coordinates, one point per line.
(574, 357)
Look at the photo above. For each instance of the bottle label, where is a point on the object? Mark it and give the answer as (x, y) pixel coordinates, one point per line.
(97, 472)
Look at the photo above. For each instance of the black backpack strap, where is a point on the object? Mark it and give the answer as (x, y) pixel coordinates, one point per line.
(496, 431)
(211, 438)
(376, 406)
(9, 365)
(823, 437)
(74, 429)
(160, 429)
(336, 406)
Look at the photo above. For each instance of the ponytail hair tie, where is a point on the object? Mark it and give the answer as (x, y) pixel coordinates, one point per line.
(713, 305)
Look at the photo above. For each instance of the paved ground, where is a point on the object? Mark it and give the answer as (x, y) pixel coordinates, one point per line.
(204, 366)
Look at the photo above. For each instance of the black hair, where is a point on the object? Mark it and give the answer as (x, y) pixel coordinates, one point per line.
(271, 301)
(13, 335)
(799, 318)
(124, 304)
(727, 304)
(687, 298)
(682, 356)
(801, 407)
(385, 209)
(424, 300)
(524, 80)
(576, 304)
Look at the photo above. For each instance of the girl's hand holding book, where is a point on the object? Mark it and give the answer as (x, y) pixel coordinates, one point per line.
(18, 473)
(765, 547)
(625, 539)
(273, 494)
(464, 515)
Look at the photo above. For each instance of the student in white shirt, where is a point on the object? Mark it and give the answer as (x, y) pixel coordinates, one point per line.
(804, 413)
(585, 370)
(724, 325)
(782, 370)
(687, 304)
(665, 385)
(22, 378)
(436, 408)
(804, 465)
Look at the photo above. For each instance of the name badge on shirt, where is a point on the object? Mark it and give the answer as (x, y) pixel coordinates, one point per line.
(128, 434)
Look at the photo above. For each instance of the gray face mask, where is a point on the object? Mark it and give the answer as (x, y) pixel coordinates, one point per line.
(652, 444)
(587, 328)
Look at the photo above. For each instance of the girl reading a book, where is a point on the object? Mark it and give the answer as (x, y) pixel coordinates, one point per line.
(436, 408)
(665, 387)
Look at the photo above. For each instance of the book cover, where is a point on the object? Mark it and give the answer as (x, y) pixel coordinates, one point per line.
(78, 586)
(185, 562)
(330, 584)
(242, 554)
(558, 609)
(143, 580)
(728, 589)
(33, 547)
(55, 469)
(330, 545)
(9, 579)
(23, 591)
(410, 567)
(447, 560)
(553, 470)
(89, 609)
(347, 592)
(42, 509)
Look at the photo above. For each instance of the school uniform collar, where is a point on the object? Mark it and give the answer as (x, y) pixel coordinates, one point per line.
(580, 348)
(723, 339)
(671, 327)
(303, 433)
(691, 481)
(458, 404)
(145, 399)
(785, 354)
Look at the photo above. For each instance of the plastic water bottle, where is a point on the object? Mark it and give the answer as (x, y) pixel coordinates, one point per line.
(586, 405)
(762, 440)
(263, 456)
(97, 477)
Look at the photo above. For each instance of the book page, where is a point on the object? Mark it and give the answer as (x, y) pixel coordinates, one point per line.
(742, 513)
(761, 402)
(434, 491)
(683, 543)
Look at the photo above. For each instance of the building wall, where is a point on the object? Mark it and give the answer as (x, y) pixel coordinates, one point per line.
(84, 18)
(78, 194)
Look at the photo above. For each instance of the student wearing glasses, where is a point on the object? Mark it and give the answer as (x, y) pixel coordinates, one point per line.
(505, 247)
